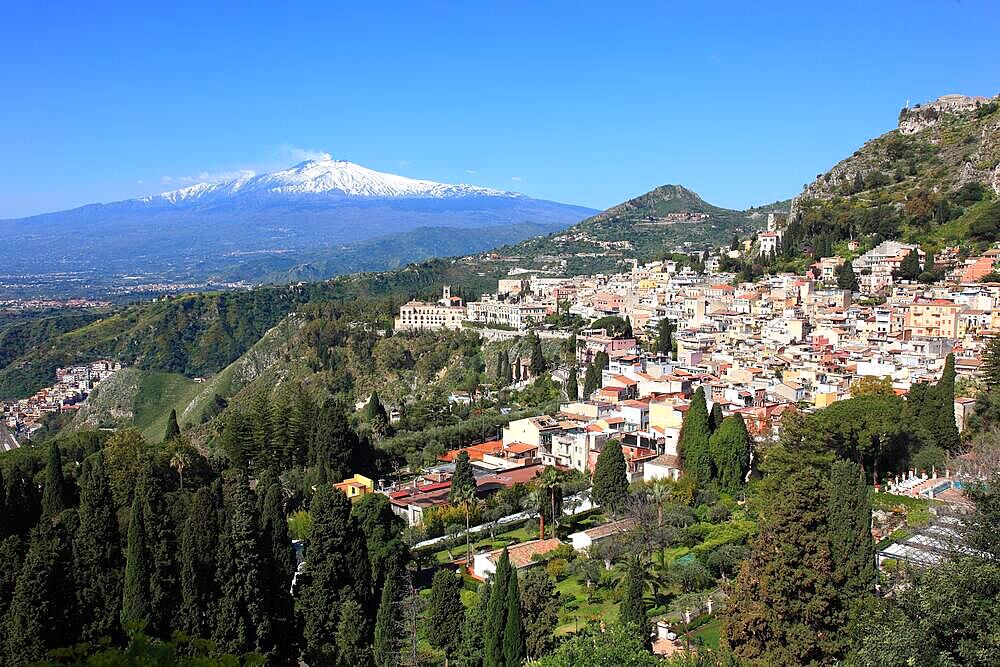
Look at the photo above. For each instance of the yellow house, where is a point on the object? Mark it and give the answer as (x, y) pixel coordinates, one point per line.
(824, 399)
(355, 487)
(664, 413)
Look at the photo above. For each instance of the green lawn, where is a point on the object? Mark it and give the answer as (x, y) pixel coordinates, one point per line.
(710, 633)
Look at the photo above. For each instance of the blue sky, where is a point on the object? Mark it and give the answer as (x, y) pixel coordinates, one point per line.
(589, 103)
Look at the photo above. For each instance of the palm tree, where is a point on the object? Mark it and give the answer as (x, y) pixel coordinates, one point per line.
(466, 496)
(533, 503)
(550, 481)
(659, 493)
(178, 461)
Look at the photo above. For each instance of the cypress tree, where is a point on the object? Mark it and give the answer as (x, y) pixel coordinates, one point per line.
(945, 429)
(23, 508)
(715, 417)
(852, 550)
(164, 592)
(501, 374)
(610, 484)
(496, 614)
(173, 429)
(245, 624)
(337, 570)
(446, 613)
(633, 608)
(385, 649)
(473, 639)
(846, 279)
(462, 479)
(199, 547)
(665, 336)
(352, 646)
(627, 331)
(382, 529)
(5, 526)
(55, 495)
(41, 613)
(991, 363)
(537, 358)
(572, 390)
(730, 449)
(693, 443)
(278, 567)
(138, 570)
(12, 550)
(513, 629)
(508, 370)
(591, 380)
(98, 559)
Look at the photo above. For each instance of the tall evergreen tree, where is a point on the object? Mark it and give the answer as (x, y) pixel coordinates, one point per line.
(610, 484)
(852, 551)
(337, 570)
(991, 362)
(385, 650)
(136, 604)
(352, 646)
(665, 336)
(945, 428)
(56, 494)
(591, 380)
(97, 555)
(496, 614)
(513, 629)
(633, 608)
(538, 364)
(164, 593)
(23, 507)
(540, 605)
(730, 449)
(334, 442)
(846, 279)
(245, 623)
(199, 550)
(41, 615)
(445, 613)
(173, 429)
(694, 439)
(715, 417)
(909, 268)
(473, 639)
(462, 478)
(784, 602)
(627, 329)
(382, 528)
(12, 550)
(501, 370)
(572, 390)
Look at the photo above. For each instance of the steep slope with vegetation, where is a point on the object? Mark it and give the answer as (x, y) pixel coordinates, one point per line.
(934, 180)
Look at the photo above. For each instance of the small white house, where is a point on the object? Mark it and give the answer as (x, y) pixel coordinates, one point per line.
(587, 538)
(664, 466)
(521, 556)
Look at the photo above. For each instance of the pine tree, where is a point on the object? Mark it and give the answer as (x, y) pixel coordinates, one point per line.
(337, 570)
(199, 547)
(693, 443)
(462, 478)
(633, 608)
(846, 279)
(42, 609)
(730, 449)
(446, 613)
(572, 390)
(513, 629)
(385, 650)
(97, 556)
(173, 429)
(56, 494)
(496, 614)
(136, 607)
(610, 484)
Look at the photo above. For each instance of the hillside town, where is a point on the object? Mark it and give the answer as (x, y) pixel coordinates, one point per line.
(71, 388)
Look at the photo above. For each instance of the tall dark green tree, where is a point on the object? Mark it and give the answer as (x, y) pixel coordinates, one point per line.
(665, 336)
(136, 603)
(572, 390)
(352, 646)
(852, 551)
(513, 628)
(540, 605)
(694, 439)
(496, 614)
(173, 429)
(375, 413)
(337, 570)
(633, 608)
(945, 428)
(715, 417)
(503, 366)
(23, 506)
(334, 443)
(627, 330)
(909, 268)
(538, 364)
(56, 496)
(42, 612)
(278, 567)
(164, 592)
(730, 448)
(846, 280)
(462, 479)
(591, 380)
(198, 552)
(382, 528)
(385, 649)
(97, 555)
(610, 484)
(473, 639)
(445, 614)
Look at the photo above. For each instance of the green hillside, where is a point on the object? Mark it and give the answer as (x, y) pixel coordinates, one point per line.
(934, 180)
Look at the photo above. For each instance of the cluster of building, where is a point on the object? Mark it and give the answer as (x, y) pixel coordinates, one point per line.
(71, 388)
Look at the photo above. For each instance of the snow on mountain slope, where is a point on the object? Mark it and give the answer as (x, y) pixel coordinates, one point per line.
(336, 178)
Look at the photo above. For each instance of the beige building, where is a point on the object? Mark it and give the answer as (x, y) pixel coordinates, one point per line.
(932, 317)
(447, 313)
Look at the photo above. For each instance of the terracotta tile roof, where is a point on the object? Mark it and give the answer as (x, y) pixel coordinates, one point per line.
(521, 555)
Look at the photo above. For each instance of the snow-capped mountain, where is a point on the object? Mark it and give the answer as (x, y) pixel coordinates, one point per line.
(314, 207)
(335, 178)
